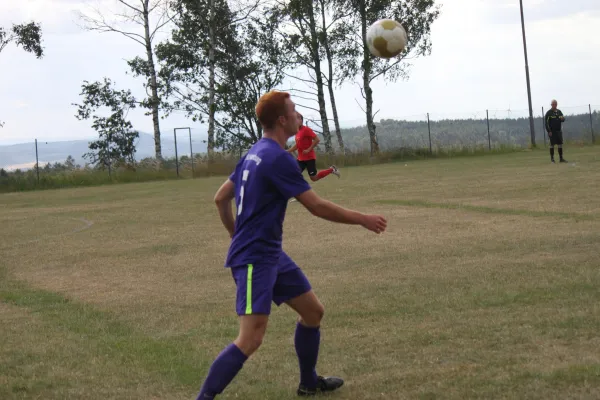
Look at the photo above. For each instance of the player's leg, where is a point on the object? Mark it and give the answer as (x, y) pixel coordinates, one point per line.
(307, 342)
(552, 143)
(316, 176)
(559, 142)
(302, 165)
(292, 287)
(253, 305)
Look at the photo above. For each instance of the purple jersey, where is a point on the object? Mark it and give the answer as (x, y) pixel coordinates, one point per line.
(265, 179)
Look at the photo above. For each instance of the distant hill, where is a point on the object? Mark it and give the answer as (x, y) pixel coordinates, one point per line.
(448, 133)
(23, 155)
(391, 134)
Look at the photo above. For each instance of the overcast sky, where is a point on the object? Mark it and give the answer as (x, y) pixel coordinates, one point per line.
(477, 64)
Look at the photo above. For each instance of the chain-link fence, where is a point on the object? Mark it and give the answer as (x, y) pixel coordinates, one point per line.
(184, 149)
(483, 129)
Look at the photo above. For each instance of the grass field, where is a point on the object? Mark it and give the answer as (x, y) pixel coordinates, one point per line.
(486, 285)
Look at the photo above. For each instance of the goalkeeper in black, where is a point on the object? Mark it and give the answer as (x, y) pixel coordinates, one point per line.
(554, 119)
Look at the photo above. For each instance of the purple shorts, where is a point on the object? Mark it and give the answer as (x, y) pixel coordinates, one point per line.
(260, 284)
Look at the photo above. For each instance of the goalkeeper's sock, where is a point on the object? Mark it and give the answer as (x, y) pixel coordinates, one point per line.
(552, 153)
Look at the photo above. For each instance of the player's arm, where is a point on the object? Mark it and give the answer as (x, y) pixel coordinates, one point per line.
(223, 198)
(314, 144)
(329, 211)
(562, 117)
(547, 121)
(293, 148)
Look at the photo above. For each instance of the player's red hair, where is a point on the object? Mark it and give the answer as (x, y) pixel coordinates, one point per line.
(270, 107)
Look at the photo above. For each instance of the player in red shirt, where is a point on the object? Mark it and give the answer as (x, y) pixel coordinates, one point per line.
(306, 141)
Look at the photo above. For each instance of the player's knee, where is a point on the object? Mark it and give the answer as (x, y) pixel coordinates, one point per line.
(250, 342)
(320, 313)
(314, 178)
(314, 316)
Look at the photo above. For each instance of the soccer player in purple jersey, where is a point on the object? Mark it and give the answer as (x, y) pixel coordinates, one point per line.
(262, 183)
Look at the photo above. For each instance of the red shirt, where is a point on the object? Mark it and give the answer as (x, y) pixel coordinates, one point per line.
(304, 139)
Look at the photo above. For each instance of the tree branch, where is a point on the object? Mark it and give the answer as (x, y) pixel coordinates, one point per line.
(308, 107)
(383, 71)
(298, 78)
(130, 6)
(361, 107)
(300, 90)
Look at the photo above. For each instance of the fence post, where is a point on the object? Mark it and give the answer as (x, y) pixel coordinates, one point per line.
(109, 161)
(592, 124)
(487, 117)
(176, 158)
(544, 126)
(37, 162)
(191, 151)
(429, 130)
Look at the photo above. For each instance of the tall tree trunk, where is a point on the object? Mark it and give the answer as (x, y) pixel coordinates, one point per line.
(154, 102)
(211, 80)
(319, 77)
(368, 92)
(336, 119)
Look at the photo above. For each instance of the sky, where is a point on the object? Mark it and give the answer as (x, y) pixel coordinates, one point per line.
(477, 63)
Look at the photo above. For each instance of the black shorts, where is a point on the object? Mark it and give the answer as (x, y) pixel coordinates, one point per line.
(556, 138)
(310, 165)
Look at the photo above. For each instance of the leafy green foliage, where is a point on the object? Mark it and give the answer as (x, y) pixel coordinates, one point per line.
(116, 141)
(249, 61)
(417, 17)
(28, 36)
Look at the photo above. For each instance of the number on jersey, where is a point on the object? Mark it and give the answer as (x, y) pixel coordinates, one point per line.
(244, 179)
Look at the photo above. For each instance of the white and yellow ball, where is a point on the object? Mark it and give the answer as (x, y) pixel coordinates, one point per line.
(386, 38)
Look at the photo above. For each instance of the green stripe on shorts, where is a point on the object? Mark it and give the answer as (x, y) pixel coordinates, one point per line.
(249, 290)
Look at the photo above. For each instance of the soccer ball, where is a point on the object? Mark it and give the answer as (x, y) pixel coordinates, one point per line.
(386, 38)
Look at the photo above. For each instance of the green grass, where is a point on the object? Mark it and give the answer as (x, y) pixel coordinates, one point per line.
(491, 210)
(221, 166)
(485, 286)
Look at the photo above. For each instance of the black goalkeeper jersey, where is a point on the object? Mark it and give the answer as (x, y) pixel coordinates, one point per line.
(552, 120)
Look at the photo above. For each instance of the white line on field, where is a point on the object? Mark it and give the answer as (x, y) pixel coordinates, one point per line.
(87, 225)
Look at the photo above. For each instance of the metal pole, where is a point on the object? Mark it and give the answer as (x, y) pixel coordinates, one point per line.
(429, 129)
(544, 126)
(176, 159)
(109, 160)
(592, 124)
(487, 115)
(531, 126)
(191, 152)
(37, 162)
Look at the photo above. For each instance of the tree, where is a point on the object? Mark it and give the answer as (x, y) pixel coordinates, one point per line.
(28, 36)
(139, 12)
(246, 61)
(332, 34)
(116, 141)
(416, 16)
(302, 38)
(70, 164)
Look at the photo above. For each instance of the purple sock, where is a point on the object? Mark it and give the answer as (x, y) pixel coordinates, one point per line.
(222, 371)
(307, 348)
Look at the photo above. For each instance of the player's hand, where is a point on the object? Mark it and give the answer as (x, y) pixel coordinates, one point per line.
(306, 151)
(549, 133)
(375, 223)
(562, 118)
